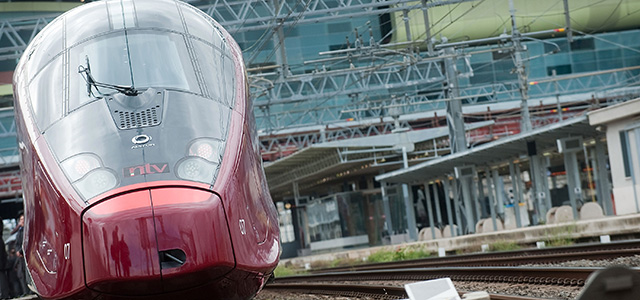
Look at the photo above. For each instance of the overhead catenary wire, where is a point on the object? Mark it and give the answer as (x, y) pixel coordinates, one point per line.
(383, 60)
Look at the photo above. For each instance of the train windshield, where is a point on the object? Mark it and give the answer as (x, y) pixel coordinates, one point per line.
(140, 59)
(175, 129)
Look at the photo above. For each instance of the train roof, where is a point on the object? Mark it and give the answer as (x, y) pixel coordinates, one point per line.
(102, 17)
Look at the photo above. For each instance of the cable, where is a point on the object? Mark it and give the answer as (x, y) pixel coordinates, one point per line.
(273, 30)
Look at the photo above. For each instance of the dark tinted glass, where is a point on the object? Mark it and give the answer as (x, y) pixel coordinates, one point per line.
(77, 24)
(218, 70)
(46, 94)
(47, 45)
(158, 59)
(163, 14)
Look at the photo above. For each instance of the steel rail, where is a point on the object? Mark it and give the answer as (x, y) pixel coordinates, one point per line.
(511, 258)
(359, 290)
(529, 275)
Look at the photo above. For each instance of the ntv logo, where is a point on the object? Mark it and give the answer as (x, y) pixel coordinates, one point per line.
(146, 169)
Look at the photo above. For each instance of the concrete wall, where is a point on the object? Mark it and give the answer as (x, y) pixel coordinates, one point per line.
(622, 185)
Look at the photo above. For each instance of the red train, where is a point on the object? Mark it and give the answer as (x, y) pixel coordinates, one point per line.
(140, 165)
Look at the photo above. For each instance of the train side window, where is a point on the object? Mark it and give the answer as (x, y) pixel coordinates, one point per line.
(46, 95)
(48, 44)
(200, 25)
(77, 29)
(229, 71)
(164, 15)
(218, 71)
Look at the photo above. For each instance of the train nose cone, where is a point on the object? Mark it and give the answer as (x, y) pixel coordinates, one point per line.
(191, 222)
(153, 241)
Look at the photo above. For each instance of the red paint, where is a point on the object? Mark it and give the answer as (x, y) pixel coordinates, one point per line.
(112, 245)
(119, 244)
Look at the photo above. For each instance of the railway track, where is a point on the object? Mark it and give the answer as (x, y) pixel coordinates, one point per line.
(364, 291)
(366, 283)
(483, 268)
(527, 275)
(597, 251)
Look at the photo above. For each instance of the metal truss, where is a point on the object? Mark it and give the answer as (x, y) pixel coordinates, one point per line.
(327, 160)
(271, 144)
(241, 16)
(598, 81)
(18, 33)
(237, 16)
(307, 99)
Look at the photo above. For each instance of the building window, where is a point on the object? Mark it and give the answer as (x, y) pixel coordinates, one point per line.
(626, 160)
(560, 70)
(582, 44)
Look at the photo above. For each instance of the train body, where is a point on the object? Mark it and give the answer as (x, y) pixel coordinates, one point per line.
(140, 165)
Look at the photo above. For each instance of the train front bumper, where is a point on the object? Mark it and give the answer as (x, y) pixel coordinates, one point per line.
(155, 241)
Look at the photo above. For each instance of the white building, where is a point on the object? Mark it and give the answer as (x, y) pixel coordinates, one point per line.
(622, 124)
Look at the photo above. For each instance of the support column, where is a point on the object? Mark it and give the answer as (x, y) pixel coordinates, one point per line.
(546, 162)
(429, 210)
(301, 218)
(567, 20)
(456, 204)
(573, 180)
(516, 199)
(522, 74)
(455, 121)
(278, 39)
(480, 204)
(632, 167)
(447, 191)
(388, 225)
(603, 185)
(296, 193)
(538, 175)
(436, 196)
(520, 199)
(499, 187)
(427, 25)
(412, 228)
(492, 199)
(465, 185)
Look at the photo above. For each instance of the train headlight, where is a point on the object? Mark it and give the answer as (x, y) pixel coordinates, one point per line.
(209, 149)
(96, 182)
(201, 161)
(79, 165)
(88, 175)
(196, 169)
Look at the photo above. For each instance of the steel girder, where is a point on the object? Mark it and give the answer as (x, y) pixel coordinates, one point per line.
(319, 98)
(18, 33)
(236, 16)
(275, 143)
(241, 16)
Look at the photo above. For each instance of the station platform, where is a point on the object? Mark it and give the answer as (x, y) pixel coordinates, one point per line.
(615, 227)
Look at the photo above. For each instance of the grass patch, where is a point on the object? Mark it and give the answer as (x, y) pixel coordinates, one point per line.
(400, 254)
(283, 271)
(504, 246)
(561, 236)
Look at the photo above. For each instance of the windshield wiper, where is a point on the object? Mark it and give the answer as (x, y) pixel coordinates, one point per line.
(91, 82)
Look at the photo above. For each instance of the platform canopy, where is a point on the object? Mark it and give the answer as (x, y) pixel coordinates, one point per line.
(493, 152)
(311, 165)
